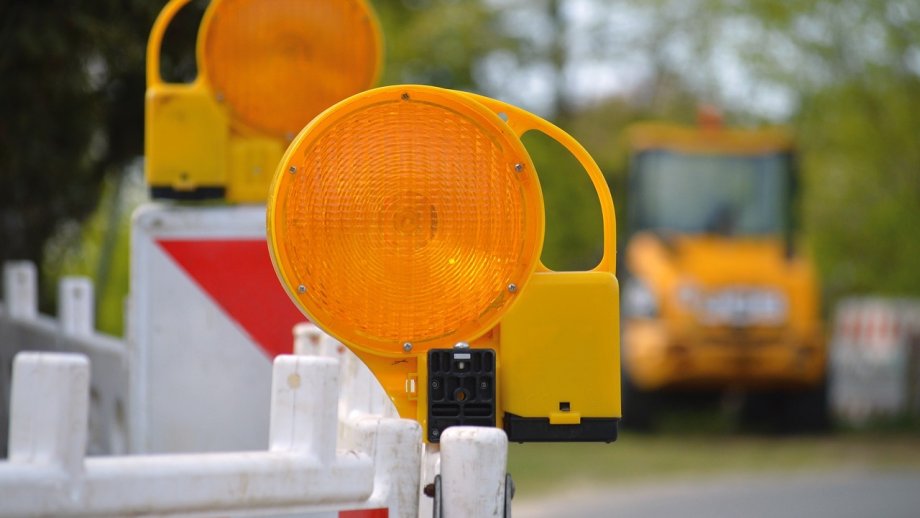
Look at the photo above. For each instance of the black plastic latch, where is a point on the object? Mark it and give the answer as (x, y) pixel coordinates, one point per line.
(461, 389)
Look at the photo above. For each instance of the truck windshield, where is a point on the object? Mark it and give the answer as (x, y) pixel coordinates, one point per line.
(717, 194)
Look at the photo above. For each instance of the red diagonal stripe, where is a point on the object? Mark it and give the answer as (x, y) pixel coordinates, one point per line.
(238, 275)
(365, 513)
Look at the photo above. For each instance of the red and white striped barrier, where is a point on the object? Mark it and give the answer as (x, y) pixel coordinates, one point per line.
(875, 359)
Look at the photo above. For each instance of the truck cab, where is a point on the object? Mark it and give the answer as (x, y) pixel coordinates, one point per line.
(717, 297)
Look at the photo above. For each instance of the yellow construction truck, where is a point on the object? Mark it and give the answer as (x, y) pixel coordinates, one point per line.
(718, 299)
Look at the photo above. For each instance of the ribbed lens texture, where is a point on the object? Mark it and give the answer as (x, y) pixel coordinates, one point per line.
(406, 222)
(278, 63)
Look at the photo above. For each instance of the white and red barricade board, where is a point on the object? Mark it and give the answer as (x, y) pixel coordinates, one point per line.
(875, 359)
(207, 315)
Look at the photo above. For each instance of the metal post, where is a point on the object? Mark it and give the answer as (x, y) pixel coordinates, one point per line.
(430, 468)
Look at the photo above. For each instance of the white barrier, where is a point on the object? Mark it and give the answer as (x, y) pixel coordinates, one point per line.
(20, 289)
(473, 461)
(875, 359)
(378, 471)
(47, 473)
(361, 393)
(23, 328)
(207, 316)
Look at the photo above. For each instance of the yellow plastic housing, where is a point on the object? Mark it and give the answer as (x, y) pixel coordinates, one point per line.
(406, 215)
(184, 152)
(408, 218)
(559, 344)
(266, 67)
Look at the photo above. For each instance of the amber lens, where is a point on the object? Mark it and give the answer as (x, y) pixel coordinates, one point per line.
(278, 63)
(406, 217)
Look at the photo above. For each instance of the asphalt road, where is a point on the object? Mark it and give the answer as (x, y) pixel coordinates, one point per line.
(849, 494)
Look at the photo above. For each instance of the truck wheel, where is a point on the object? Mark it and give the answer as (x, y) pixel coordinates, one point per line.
(639, 407)
(762, 412)
(786, 412)
(806, 411)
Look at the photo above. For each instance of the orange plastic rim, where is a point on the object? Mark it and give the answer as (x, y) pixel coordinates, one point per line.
(405, 215)
(279, 63)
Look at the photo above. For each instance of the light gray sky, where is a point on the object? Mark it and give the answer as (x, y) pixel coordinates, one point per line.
(610, 54)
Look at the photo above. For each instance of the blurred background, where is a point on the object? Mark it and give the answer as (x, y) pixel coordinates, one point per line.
(845, 77)
(842, 78)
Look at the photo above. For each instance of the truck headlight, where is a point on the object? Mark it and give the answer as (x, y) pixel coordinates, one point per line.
(639, 300)
(738, 306)
(689, 295)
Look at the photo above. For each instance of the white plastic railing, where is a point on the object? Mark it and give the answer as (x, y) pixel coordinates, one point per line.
(23, 328)
(327, 452)
(473, 466)
(47, 473)
(361, 393)
(471, 461)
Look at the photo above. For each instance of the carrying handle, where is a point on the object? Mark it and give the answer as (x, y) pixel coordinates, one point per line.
(155, 41)
(520, 122)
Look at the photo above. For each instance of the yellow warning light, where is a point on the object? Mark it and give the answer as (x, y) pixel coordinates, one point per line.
(278, 63)
(407, 221)
(265, 68)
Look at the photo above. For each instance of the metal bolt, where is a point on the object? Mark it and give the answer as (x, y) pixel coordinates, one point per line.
(293, 169)
(512, 287)
(483, 385)
(404, 96)
(461, 345)
(435, 432)
(301, 289)
(407, 346)
(518, 167)
(435, 384)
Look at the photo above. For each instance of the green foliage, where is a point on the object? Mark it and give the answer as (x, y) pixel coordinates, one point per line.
(862, 175)
(852, 70)
(71, 111)
(438, 42)
(99, 248)
(858, 77)
(573, 237)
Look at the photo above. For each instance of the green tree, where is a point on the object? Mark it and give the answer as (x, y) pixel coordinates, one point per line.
(850, 76)
(72, 111)
(439, 42)
(856, 69)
